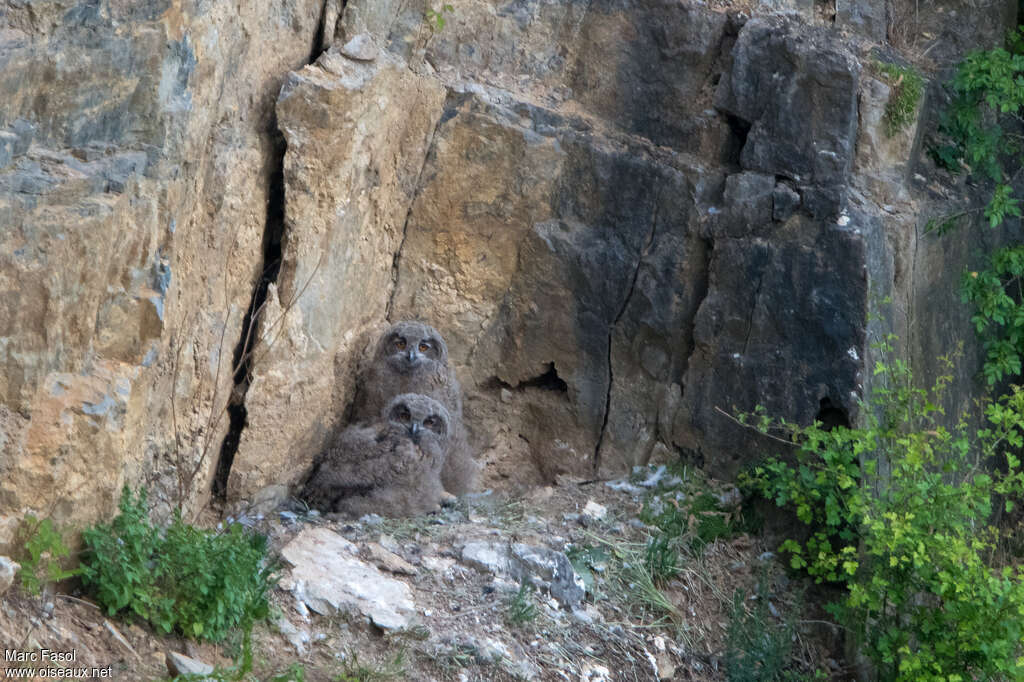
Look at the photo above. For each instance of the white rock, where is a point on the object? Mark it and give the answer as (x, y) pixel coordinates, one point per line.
(360, 48)
(180, 664)
(595, 673)
(299, 637)
(438, 564)
(8, 569)
(328, 578)
(594, 510)
(491, 557)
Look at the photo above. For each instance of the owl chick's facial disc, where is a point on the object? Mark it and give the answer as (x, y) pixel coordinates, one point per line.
(408, 346)
(418, 414)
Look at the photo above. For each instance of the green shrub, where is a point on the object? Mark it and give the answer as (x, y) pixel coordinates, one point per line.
(41, 551)
(198, 582)
(987, 95)
(908, 533)
(906, 86)
(998, 319)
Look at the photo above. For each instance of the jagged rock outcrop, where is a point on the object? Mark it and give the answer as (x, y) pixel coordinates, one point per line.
(357, 134)
(622, 216)
(138, 147)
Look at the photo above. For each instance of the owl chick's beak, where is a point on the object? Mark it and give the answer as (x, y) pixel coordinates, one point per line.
(414, 429)
(411, 356)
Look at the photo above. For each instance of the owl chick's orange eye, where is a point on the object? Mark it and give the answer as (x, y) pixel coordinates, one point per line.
(429, 421)
(404, 416)
(424, 346)
(400, 344)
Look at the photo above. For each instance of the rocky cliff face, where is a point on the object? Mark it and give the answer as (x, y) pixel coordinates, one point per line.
(623, 216)
(134, 192)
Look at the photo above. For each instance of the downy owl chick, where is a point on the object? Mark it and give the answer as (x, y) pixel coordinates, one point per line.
(411, 357)
(392, 468)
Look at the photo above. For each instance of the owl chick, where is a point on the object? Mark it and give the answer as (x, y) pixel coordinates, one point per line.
(411, 357)
(392, 468)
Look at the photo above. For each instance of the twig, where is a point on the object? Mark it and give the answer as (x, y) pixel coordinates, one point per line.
(76, 599)
(753, 428)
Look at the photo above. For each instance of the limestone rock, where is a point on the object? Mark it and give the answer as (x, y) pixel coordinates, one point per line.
(8, 570)
(357, 134)
(329, 577)
(796, 86)
(180, 664)
(389, 561)
(543, 567)
(360, 48)
(867, 17)
(135, 157)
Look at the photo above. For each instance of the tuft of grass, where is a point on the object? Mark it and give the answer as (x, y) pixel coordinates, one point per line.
(354, 670)
(760, 646)
(661, 558)
(520, 608)
(907, 87)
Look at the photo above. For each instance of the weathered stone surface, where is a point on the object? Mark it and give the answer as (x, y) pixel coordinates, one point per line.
(804, 289)
(357, 134)
(796, 86)
(785, 202)
(180, 664)
(328, 577)
(388, 561)
(8, 570)
(883, 160)
(554, 569)
(621, 216)
(360, 48)
(134, 172)
(662, 53)
(543, 567)
(866, 17)
(528, 236)
(487, 651)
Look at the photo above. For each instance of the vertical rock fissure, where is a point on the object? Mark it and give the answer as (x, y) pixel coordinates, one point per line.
(611, 330)
(397, 260)
(753, 311)
(273, 234)
(318, 37)
(702, 287)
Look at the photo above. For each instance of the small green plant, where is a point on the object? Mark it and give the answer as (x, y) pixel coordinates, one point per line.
(198, 582)
(758, 647)
(42, 549)
(436, 18)
(520, 608)
(906, 86)
(587, 560)
(987, 97)
(355, 671)
(662, 558)
(899, 515)
(685, 514)
(296, 672)
(997, 294)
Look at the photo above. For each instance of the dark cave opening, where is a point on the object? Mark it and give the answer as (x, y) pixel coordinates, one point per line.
(831, 415)
(548, 381)
(738, 132)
